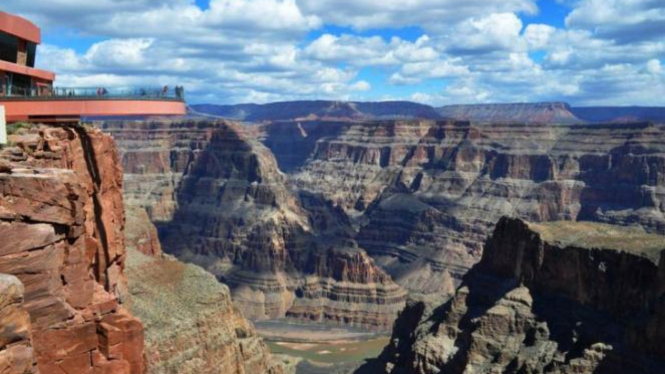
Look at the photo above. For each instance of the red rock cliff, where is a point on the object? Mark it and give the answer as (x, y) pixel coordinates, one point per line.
(62, 224)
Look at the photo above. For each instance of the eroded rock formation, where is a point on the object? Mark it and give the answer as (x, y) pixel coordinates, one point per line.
(191, 325)
(61, 223)
(418, 196)
(425, 194)
(557, 297)
(221, 201)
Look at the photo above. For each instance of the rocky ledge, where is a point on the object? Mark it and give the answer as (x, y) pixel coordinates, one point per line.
(62, 230)
(558, 297)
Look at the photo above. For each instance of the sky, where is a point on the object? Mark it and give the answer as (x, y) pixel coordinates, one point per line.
(437, 52)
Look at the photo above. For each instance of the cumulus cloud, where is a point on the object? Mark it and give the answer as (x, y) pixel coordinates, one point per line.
(429, 14)
(625, 21)
(498, 31)
(654, 67)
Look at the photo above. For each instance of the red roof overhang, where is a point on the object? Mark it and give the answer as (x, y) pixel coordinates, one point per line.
(20, 27)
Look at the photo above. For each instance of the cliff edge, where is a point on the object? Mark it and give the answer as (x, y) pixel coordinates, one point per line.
(558, 297)
(62, 230)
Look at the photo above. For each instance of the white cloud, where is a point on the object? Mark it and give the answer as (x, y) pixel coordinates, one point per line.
(429, 14)
(258, 50)
(416, 72)
(621, 20)
(537, 36)
(370, 51)
(498, 31)
(361, 86)
(654, 67)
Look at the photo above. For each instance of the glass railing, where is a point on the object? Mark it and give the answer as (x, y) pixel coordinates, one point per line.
(134, 93)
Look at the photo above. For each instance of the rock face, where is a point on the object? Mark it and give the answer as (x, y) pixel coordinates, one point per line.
(419, 197)
(293, 110)
(220, 201)
(425, 194)
(141, 235)
(16, 352)
(545, 298)
(542, 113)
(191, 324)
(62, 224)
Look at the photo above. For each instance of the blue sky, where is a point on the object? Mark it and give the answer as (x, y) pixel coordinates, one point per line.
(585, 52)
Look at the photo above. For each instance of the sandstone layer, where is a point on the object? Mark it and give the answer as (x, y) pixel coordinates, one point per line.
(220, 201)
(418, 196)
(62, 224)
(545, 298)
(425, 194)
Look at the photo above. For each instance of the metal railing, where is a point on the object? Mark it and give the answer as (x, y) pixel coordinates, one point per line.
(77, 93)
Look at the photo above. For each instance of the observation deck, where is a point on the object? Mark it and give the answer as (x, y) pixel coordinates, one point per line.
(28, 93)
(66, 104)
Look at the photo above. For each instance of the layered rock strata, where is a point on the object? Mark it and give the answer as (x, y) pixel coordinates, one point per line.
(557, 297)
(62, 220)
(425, 194)
(192, 326)
(220, 201)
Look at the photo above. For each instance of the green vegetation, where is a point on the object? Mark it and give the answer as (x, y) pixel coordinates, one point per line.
(601, 236)
(14, 128)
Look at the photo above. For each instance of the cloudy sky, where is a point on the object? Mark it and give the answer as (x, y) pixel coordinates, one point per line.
(585, 52)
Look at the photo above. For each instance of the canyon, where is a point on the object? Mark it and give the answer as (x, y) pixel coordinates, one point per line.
(425, 194)
(364, 203)
(559, 297)
(220, 201)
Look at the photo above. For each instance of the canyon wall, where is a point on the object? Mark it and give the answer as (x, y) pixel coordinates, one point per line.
(191, 324)
(418, 196)
(557, 297)
(62, 221)
(425, 194)
(220, 201)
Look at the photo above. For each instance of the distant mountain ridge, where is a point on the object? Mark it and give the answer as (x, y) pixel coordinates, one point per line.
(320, 109)
(532, 113)
(546, 113)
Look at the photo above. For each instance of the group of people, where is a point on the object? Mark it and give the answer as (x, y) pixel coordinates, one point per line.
(180, 92)
(102, 91)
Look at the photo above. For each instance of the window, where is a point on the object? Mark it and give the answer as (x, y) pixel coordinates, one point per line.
(8, 48)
